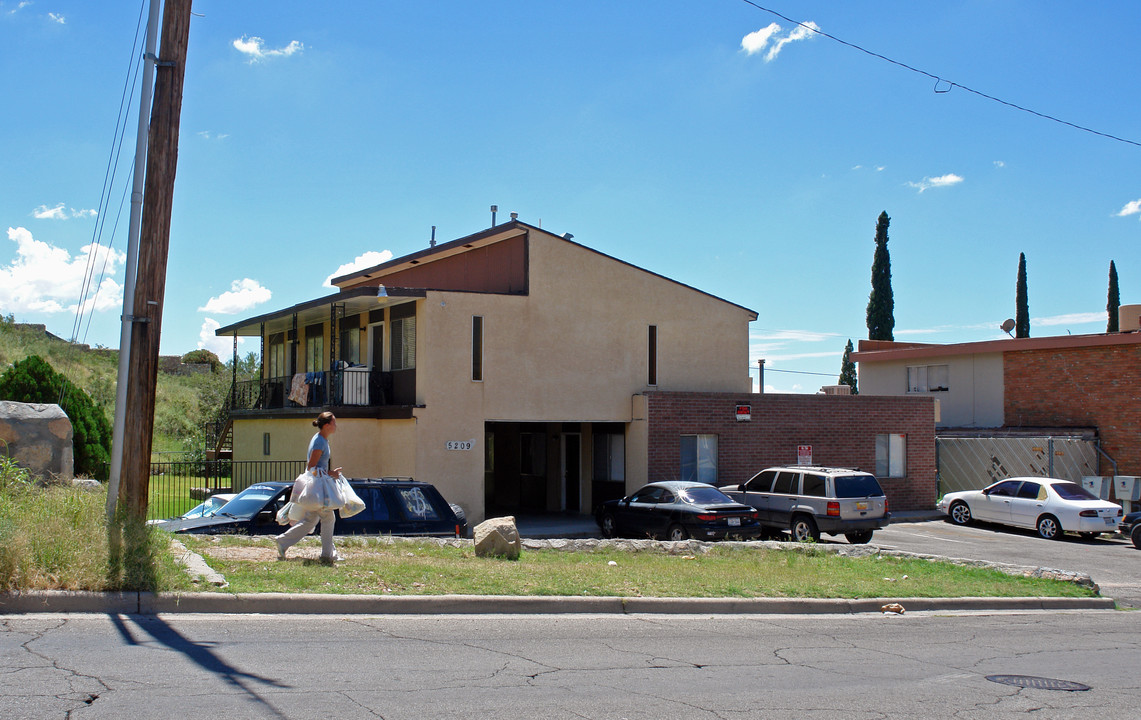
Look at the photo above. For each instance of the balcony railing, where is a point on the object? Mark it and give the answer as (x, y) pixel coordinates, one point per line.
(353, 386)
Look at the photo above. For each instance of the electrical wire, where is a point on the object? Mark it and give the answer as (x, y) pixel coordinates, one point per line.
(105, 194)
(938, 80)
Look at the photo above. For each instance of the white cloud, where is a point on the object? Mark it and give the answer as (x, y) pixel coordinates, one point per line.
(881, 168)
(55, 17)
(206, 134)
(42, 277)
(999, 164)
(936, 182)
(223, 347)
(60, 212)
(242, 295)
(20, 6)
(369, 259)
(110, 297)
(1131, 208)
(1070, 319)
(757, 41)
(254, 48)
(795, 335)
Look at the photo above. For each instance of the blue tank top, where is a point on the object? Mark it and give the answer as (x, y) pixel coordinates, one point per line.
(319, 443)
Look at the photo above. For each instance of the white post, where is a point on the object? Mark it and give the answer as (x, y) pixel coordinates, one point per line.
(131, 267)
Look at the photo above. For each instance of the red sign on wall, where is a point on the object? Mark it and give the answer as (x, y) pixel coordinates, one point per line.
(803, 454)
(744, 413)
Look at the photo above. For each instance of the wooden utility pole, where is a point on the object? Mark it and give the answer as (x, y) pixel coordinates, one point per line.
(150, 287)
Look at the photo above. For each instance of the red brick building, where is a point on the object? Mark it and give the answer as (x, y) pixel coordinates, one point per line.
(1045, 385)
(853, 431)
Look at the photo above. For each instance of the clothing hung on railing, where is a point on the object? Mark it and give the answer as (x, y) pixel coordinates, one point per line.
(299, 390)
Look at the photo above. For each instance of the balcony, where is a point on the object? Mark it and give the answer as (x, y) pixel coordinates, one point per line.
(340, 390)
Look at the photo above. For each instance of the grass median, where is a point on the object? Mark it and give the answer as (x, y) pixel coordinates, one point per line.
(375, 566)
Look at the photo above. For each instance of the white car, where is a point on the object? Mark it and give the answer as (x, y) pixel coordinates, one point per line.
(207, 508)
(1047, 505)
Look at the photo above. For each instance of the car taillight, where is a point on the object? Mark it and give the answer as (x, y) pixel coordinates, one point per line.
(755, 515)
(834, 508)
(706, 518)
(457, 530)
(1088, 513)
(885, 504)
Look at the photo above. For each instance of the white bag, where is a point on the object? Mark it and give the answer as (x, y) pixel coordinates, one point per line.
(351, 503)
(283, 514)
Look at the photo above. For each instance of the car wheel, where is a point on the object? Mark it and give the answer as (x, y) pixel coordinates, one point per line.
(677, 533)
(803, 529)
(1048, 528)
(1135, 536)
(960, 514)
(607, 525)
(861, 537)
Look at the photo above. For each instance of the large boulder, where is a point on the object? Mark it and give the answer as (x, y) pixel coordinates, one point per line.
(498, 537)
(38, 437)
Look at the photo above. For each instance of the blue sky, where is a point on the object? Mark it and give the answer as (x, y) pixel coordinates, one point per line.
(693, 139)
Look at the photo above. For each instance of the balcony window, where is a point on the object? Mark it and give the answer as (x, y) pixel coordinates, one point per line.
(404, 343)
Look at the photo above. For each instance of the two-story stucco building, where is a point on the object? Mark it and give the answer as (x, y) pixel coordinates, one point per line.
(504, 367)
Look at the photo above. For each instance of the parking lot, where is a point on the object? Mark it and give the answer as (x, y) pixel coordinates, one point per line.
(1113, 563)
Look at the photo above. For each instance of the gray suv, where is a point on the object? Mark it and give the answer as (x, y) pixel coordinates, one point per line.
(809, 500)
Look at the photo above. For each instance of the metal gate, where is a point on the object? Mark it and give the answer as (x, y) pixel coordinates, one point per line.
(973, 463)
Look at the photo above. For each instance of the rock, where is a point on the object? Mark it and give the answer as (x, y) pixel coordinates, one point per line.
(498, 537)
(86, 484)
(38, 437)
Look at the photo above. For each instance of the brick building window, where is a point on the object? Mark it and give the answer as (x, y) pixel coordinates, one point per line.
(609, 457)
(928, 378)
(891, 456)
(699, 458)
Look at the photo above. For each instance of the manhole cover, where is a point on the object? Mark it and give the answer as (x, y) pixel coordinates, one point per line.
(1039, 683)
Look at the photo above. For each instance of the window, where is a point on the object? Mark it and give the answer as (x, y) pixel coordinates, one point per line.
(404, 343)
(1030, 491)
(610, 457)
(1006, 488)
(648, 495)
(476, 348)
(813, 485)
(276, 359)
(265, 444)
(653, 356)
(314, 348)
(699, 458)
(762, 482)
(891, 456)
(857, 486)
(928, 378)
(351, 340)
(787, 483)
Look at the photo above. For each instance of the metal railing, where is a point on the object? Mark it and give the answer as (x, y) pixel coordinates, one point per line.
(351, 386)
(178, 486)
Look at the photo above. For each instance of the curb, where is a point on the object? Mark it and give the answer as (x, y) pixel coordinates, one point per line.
(311, 604)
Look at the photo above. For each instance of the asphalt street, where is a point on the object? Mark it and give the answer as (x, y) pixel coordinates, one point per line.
(917, 665)
(1114, 564)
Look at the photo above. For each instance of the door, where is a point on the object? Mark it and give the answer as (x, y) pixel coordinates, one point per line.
(376, 364)
(1027, 505)
(572, 472)
(786, 493)
(994, 506)
(636, 516)
(756, 493)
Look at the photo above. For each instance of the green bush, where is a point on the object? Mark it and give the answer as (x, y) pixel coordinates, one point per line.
(203, 357)
(32, 380)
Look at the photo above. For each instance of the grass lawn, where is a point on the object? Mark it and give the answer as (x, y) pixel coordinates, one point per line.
(373, 566)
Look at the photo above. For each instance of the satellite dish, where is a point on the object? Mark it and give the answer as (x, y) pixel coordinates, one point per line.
(1007, 325)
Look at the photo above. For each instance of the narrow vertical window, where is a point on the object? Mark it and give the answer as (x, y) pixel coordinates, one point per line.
(265, 444)
(477, 348)
(653, 356)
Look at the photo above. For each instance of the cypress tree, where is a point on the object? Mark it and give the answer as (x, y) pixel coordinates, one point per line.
(881, 303)
(848, 369)
(1113, 303)
(1022, 311)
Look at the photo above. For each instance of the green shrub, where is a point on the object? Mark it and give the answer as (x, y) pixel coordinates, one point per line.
(203, 357)
(32, 380)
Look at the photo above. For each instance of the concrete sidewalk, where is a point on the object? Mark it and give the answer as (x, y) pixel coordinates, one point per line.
(130, 603)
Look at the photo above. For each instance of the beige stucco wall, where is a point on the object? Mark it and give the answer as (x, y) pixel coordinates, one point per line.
(364, 447)
(975, 396)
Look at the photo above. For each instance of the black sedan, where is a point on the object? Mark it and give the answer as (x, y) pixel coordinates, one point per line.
(678, 510)
(393, 506)
(1130, 528)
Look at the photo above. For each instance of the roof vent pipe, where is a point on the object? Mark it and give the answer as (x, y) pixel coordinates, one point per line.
(432, 242)
(494, 209)
(514, 216)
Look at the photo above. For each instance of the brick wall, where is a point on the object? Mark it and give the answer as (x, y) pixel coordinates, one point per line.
(1080, 387)
(841, 430)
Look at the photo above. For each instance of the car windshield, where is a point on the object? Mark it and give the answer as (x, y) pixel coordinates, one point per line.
(855, 486)
(704, 496)
(205, 509)
(247, 503)
(1073, 491)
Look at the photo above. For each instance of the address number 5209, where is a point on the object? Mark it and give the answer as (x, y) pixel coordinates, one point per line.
(460, 444)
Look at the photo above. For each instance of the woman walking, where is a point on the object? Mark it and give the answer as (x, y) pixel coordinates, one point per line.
(318, 462)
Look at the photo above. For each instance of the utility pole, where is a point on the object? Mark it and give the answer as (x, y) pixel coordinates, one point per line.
(150, 284)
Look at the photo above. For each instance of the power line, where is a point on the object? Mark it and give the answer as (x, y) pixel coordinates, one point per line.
(800, 372)
(938, 80)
